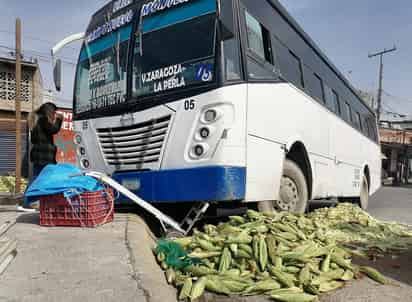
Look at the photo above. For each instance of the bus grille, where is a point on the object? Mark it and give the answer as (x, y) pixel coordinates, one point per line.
(135, 145)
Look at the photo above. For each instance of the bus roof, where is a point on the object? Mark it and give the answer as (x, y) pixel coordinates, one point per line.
(292, 22)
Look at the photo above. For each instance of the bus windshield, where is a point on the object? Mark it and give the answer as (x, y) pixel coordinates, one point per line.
(175, 56)
(102, 72)
(173, 47)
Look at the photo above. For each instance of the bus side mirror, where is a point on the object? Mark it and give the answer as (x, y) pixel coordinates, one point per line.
(57, 74)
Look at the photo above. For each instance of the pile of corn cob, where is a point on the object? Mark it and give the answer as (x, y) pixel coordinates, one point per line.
(289, 257)
(7, 184)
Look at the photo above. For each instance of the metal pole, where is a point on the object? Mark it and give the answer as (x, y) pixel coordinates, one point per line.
(18, 105)
(379, 110)
(380, 89)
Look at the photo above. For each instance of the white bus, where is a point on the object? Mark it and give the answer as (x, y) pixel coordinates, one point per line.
(219, 100)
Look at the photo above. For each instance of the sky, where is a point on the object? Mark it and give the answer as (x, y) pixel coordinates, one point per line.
(347, 31)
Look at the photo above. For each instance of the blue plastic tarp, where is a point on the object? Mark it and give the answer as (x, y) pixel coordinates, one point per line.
(62, 179)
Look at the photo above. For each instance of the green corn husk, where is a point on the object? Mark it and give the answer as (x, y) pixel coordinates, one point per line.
(237, 220)
(271, 245)
(225, 260)
(373, 274)
(263, 253)
(207, 246)
(198, 288)
(161, 257)
(328, 276)
(241, 238)
(325, 266)
(242, 254)
(294, 297)
(204, 255)
(246, 248)
(253, 266)
(184, 242)
(170, 276)
(330, 286)
(235, 286)
(186, 289)
(215, 285)
(304, 275)
(341, 262)
(348, 275)
(255, 246)
(311, 289)
(282, 277)
(262, 287)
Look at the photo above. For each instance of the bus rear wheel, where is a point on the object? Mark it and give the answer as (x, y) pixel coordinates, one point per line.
(364, 194)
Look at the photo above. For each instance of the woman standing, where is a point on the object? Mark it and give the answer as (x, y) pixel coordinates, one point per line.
(44, 124)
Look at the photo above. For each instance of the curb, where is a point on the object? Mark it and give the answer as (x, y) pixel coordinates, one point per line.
(149, 276)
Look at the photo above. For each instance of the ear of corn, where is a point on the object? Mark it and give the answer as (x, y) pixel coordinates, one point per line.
(373, 274)
(198, 288)
(294, 297)
(186, 289)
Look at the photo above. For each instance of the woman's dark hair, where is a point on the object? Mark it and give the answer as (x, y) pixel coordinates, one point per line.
(47, 110)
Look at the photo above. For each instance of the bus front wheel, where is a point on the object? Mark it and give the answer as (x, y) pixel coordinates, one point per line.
(293, 192)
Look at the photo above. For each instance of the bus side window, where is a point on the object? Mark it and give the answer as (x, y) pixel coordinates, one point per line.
(336, 103)
(314, 85)
(231, 52)
(347, 112)
(359, 121)
(295, 71)
(258, 39)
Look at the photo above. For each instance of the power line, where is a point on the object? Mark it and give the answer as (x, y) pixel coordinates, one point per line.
(396, 97)
(40, 55)
(36, 39)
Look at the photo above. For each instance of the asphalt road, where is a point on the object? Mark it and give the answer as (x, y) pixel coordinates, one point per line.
(392, 204)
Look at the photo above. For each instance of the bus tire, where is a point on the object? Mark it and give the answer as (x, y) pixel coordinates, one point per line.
(364, 194)
(293, 193)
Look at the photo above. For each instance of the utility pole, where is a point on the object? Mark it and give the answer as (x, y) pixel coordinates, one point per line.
(381, 54)
(18, 105)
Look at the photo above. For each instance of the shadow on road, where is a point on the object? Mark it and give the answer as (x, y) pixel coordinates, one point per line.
(31, 218)
(397, 267)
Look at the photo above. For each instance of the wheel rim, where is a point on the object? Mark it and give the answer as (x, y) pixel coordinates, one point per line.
(289, 195)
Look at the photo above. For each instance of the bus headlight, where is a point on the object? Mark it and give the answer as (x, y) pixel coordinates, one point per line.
(82, 151)
(210, 115)
(198, 150)
(85, 163)
(204, 132)
(78, 139)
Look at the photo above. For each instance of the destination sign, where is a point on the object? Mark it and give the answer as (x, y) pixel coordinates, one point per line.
(110, 26)
(160, 5)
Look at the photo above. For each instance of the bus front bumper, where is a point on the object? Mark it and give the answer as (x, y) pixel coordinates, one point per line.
(204, 184)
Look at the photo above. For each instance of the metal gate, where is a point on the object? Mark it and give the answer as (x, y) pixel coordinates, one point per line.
(8, 147)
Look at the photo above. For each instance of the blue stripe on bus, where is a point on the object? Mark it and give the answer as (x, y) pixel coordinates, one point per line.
(106, 42)
(202, 184)
(178, 14)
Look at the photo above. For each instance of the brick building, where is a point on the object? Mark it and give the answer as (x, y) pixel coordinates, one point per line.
(31, 98)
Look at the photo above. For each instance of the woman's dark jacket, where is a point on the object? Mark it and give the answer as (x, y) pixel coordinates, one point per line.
(43, 150)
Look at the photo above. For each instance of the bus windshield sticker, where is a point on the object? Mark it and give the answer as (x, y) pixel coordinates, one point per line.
(175, 76)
